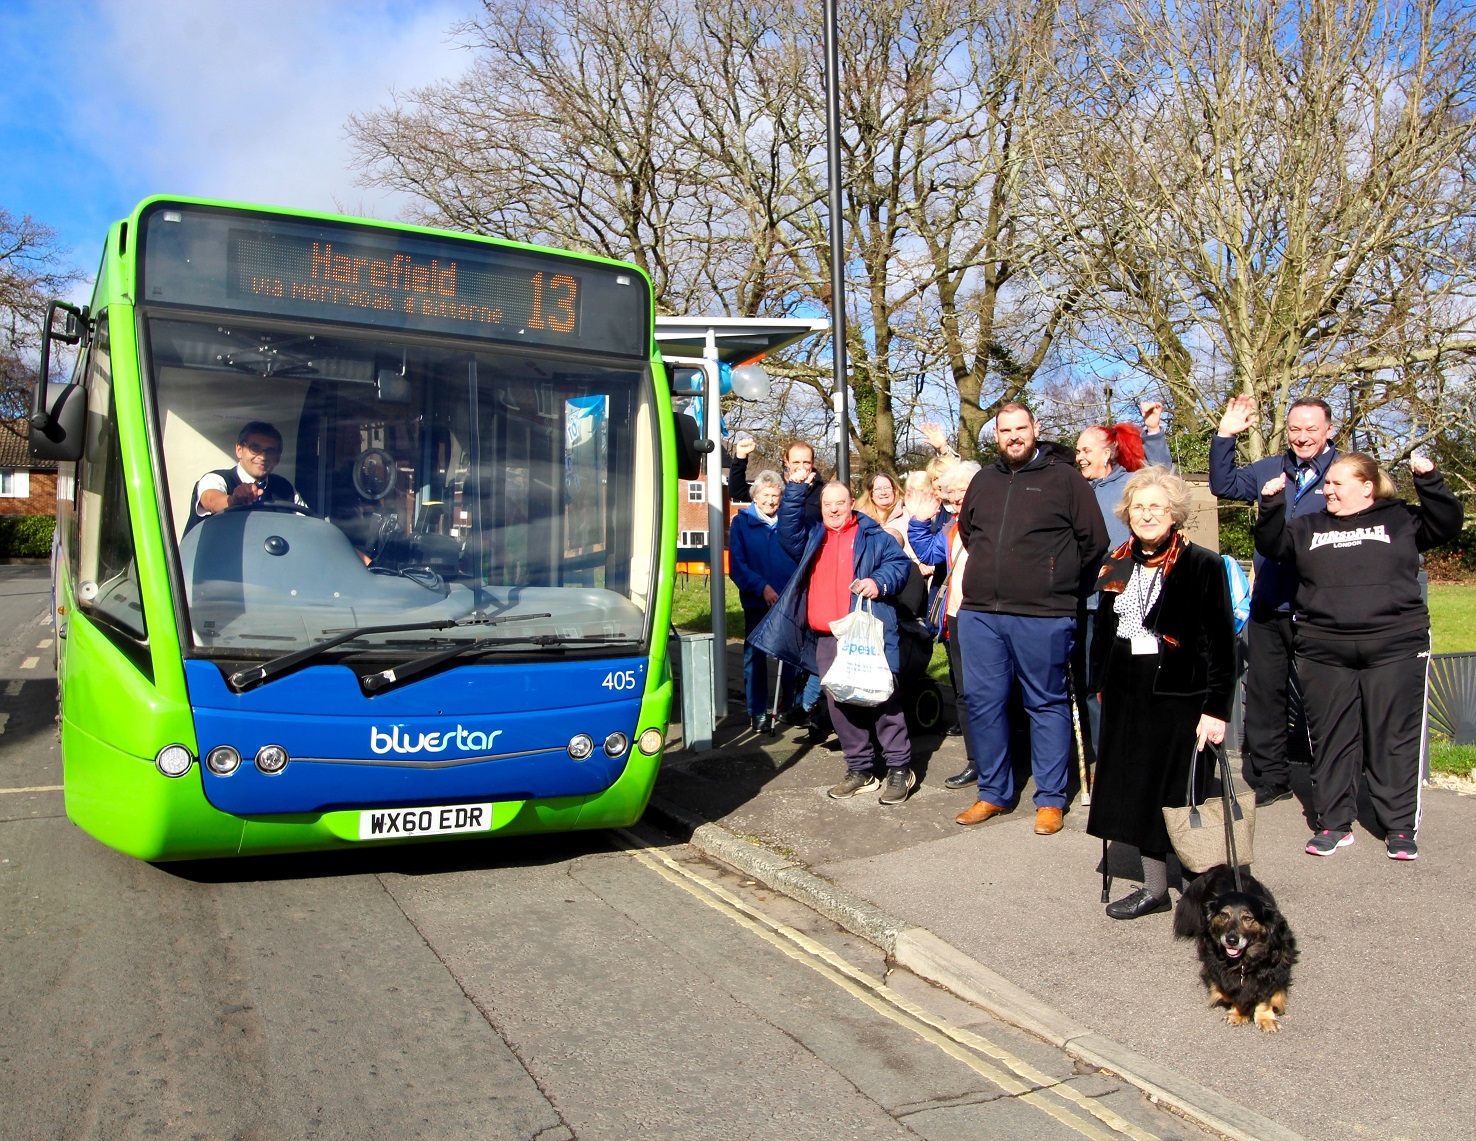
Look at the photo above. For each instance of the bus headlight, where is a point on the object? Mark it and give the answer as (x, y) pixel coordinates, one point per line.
(616, 744)
(222, 760)
(651, 741)
(271, 758)
(581, 746)
(174, 760)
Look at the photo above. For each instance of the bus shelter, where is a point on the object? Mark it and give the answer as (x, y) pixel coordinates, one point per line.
(706, 343)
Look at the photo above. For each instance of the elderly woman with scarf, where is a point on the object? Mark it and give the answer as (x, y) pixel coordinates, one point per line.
(1162, 663)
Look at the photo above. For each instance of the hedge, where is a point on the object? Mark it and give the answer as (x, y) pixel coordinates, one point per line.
(1456, 561)
(26, 536)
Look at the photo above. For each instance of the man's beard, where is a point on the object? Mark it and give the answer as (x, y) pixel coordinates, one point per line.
(1018, 453)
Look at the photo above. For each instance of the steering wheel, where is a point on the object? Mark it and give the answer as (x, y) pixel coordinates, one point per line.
(271, 505)
(283, 505)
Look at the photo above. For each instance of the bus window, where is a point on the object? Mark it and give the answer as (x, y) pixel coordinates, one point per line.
(106, 573)
(413, 482)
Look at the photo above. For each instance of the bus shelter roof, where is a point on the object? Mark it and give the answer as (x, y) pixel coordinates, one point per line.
(739, 339)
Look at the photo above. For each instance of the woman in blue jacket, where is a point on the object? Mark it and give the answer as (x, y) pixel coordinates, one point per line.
(761, 568)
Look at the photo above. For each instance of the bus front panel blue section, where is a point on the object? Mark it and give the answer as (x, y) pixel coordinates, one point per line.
(478, 732)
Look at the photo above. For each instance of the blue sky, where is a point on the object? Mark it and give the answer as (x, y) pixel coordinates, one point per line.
(104, 102)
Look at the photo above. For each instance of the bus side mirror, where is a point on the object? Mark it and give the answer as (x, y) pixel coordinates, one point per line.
(58, 411)
(691, 447)
(65, 426)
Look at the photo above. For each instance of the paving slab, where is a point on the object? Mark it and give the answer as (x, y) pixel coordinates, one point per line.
(1381, 1015)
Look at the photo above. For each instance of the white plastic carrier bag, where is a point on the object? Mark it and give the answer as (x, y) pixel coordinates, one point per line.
(860, 674)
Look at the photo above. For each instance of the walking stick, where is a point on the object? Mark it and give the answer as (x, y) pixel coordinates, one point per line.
(1086, 782)
(778, 688)
(1081, 757)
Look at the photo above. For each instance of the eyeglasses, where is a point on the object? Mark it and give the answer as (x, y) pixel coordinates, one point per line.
(264, 450)
(1149, 510)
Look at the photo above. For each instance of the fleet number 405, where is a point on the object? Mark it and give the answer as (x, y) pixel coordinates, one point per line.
(620, 679)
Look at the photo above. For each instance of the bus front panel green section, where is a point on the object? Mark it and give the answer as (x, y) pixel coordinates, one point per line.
(121, 798)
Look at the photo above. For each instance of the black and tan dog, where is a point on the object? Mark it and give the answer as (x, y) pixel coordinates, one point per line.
(1246, 949)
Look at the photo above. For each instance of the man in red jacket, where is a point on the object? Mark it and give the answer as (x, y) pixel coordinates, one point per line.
(842, 557)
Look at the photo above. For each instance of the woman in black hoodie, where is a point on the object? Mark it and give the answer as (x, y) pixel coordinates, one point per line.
(1362, 638)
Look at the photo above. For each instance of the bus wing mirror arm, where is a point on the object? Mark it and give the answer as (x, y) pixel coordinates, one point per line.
(58, 417)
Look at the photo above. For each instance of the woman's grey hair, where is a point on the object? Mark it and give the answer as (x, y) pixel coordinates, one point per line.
(963, 471)
(917, 481)
(1179, 496)
(767, 478)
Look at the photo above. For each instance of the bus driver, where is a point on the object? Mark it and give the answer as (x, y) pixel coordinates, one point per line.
(258, 451)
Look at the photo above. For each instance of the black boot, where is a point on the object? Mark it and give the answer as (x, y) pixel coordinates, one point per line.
(962, 780)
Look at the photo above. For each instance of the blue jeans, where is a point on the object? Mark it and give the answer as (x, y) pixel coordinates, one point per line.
(996, 650)
(810, 695)
(756, 670)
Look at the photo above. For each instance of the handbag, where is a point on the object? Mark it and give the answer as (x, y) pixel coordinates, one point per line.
(1204, 835)
(936, 614)
(860, 674)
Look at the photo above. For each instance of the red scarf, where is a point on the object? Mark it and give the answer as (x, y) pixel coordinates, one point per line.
(1115, 572)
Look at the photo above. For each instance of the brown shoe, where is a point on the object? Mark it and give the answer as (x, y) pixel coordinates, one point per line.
(1047, 821)
(980, 811)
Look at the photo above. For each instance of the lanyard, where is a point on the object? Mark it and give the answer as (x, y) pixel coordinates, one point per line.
(1145, 603)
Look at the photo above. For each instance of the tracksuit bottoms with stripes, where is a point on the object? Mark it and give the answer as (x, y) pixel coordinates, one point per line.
(1365, 701)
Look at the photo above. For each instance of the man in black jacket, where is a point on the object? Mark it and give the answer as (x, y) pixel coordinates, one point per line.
(1034, 537)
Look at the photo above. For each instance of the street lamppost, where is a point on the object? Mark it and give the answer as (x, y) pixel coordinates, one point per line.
(837, 250)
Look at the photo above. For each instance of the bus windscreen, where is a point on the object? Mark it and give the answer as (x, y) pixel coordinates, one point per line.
(218, 258)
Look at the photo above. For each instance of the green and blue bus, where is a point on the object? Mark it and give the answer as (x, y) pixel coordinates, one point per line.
(441, 610)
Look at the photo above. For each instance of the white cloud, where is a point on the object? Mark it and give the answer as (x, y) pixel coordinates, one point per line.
(248, 101)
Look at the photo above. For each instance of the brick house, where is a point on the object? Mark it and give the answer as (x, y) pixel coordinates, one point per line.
(692, 519)
(27, 485)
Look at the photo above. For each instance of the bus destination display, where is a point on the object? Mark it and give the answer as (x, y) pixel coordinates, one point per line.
(337, 274)
(257, 262)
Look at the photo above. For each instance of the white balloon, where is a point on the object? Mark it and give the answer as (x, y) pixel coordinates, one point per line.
(750, 382)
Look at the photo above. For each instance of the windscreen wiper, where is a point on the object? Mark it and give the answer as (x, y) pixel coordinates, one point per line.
(379, 682)
(245, 679)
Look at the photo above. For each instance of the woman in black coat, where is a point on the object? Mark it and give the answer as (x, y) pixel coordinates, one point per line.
(1163, 667)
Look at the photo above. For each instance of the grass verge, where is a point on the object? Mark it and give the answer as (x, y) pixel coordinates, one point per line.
(1453, 616)
(1457, 760)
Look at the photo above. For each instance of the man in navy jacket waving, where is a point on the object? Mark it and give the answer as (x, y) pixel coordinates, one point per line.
(1269, 662)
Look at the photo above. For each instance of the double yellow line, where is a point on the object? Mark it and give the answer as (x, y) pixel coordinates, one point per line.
(1014, 1076)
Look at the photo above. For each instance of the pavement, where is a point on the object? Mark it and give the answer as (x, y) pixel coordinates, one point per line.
(1381, 1021)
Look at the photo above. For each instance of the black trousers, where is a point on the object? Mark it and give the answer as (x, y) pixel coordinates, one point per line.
(1365, 702)
(1269, 659)
(955, 675)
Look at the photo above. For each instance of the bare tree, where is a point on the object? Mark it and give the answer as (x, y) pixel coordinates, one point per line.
(33, 270)
(689, 138)
(1274, 197)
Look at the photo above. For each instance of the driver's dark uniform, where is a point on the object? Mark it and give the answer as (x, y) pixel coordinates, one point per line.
(277, 489)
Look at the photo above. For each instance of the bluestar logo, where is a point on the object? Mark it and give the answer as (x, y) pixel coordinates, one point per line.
(408, 744)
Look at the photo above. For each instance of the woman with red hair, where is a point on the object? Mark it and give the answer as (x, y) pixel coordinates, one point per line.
(1107, 456)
